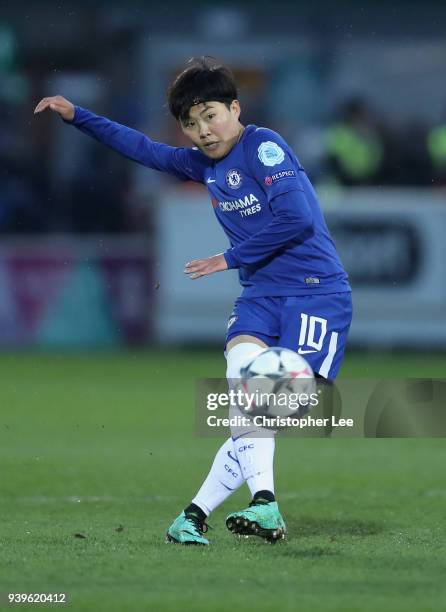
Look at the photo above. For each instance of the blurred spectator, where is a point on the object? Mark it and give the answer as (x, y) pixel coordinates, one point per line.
(355, 146)
(436, 147)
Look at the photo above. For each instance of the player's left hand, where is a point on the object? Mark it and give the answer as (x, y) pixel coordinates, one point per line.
(203, 267)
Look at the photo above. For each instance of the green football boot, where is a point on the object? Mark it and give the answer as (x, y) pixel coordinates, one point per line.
(187, 529)
(261, 519)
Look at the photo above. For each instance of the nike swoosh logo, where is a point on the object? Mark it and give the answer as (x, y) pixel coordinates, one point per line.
(231, 457)
(302, 352)
(211, 180)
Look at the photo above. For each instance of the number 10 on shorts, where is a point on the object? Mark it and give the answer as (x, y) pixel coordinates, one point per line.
(312, 333)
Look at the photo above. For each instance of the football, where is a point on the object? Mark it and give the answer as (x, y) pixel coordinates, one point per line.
(277, 382)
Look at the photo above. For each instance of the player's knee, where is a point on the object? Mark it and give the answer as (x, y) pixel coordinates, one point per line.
(238, 355)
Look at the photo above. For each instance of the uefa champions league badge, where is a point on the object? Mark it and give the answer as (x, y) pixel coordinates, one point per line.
(270, 154)
(233, 179)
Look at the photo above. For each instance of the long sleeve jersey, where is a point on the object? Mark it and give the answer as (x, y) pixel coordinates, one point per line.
(262, 199)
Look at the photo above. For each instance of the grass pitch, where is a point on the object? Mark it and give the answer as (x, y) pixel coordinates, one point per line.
(102, 446)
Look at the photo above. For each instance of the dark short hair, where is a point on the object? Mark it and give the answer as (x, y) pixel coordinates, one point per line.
(203, 80)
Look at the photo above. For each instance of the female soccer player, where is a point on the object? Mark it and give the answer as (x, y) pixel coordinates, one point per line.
(295, 294)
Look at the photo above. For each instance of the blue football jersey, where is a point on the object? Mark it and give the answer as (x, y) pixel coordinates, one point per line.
(261, 197)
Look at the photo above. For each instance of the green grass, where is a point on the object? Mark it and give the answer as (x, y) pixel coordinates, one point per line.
(103, 445)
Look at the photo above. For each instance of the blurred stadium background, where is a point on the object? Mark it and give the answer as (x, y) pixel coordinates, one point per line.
(93, 246)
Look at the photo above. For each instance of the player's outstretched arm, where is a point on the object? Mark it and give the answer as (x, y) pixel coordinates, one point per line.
(57, 104)
(185, 164)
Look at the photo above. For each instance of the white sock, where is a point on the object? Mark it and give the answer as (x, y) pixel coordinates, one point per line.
(224, 478)
(254, 446)
(256, 458)
(225, 475)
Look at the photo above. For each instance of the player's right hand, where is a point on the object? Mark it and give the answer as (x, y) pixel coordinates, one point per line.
(58, 104)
